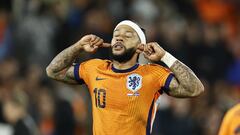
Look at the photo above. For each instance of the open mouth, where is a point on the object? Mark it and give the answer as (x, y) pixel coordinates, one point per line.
(118, 46)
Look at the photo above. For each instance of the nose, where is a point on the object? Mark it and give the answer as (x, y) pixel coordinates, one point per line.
(119, 39)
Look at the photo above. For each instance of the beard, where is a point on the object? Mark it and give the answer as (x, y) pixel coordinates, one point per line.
(125, 56)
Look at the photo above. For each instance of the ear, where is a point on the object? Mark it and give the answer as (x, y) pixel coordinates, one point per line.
(140, 48)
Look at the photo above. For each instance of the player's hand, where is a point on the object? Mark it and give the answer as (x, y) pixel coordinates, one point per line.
(90, 43)
(152, 51)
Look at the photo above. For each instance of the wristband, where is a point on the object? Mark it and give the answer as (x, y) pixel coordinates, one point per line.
(168, 59)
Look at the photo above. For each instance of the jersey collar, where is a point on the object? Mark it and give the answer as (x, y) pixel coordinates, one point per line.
(125, 70)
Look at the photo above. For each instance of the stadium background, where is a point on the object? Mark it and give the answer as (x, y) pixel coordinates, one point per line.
(204, 34)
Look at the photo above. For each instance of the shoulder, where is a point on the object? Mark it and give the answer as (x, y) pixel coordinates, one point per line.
(94, 62)
(155, 67)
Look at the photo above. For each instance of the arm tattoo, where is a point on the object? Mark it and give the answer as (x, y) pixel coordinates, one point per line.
(61, 68)
(185, 83)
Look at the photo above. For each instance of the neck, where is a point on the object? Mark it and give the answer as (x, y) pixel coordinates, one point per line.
(125, 65)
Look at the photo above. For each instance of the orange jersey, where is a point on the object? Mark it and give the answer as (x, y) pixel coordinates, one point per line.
(123, 101)
(231, 122)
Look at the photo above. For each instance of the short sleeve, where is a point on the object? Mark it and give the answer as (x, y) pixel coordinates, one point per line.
(77, 74)
(168, 80)
(85, 69)
(163, 75)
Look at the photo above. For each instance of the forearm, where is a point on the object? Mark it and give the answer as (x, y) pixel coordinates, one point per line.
(187, 83)
(61, 67)
(63, 60)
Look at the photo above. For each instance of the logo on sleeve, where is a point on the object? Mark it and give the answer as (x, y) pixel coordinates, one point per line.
(99, 79)
(134, 82)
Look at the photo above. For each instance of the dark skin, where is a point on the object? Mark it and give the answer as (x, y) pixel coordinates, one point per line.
(184, 84)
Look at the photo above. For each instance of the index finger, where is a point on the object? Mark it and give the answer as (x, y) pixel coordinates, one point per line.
(154, 45)
(141, 47)
(106, 45)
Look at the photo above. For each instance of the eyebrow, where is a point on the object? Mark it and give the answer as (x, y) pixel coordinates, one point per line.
(130, 31)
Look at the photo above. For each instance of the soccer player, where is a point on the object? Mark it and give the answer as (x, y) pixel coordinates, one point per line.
(231, 122)
(124, 92)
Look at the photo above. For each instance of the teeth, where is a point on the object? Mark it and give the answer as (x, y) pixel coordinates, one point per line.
(118, 45)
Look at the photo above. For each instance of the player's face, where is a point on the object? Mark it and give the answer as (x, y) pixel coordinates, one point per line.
(124, 42)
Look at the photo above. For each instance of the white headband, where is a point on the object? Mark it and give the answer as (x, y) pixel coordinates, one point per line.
(133, 25)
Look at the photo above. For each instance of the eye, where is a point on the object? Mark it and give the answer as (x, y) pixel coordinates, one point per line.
(129, 35)
(116, 34)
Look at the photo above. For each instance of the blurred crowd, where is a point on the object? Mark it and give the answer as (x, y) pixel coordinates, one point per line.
(204, 34)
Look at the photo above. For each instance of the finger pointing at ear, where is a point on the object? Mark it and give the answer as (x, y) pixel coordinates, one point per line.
(106, 45)
(140, 48)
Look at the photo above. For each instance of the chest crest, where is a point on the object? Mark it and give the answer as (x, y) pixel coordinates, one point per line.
(134, 82)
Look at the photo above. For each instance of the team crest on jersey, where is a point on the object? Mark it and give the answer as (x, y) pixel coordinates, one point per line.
(134, 82)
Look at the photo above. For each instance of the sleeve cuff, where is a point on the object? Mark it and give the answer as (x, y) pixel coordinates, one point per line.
(76, 74)
(167, 82)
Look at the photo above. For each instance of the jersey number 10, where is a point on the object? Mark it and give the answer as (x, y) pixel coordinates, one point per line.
(100, 97)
